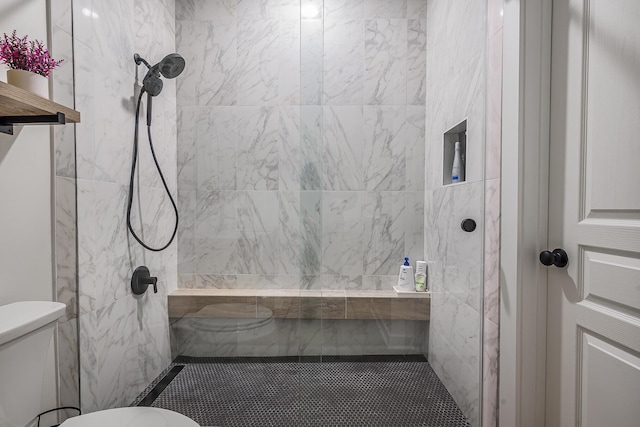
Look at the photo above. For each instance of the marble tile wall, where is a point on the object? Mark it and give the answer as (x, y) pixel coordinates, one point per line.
(300, 142)
(463, 81)
(493, 178)
(124, 340)
(66, 279)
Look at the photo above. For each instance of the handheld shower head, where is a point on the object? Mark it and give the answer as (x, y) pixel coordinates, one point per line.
(170, 67)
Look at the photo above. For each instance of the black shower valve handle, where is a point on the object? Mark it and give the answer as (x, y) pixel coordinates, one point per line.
(141, 280)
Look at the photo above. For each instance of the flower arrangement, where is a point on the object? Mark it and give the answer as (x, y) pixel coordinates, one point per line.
(24, 54)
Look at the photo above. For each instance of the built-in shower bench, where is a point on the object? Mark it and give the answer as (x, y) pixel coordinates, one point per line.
(298, 304)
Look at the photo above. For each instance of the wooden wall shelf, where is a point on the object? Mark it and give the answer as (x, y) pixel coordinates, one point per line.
(18, 106)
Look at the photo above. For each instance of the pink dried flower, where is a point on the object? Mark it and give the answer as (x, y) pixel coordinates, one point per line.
(23, 54)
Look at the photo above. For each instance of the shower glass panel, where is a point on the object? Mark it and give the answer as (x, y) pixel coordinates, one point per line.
(301, 177)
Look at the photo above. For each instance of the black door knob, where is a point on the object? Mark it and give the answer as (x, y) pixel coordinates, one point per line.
(558, 257)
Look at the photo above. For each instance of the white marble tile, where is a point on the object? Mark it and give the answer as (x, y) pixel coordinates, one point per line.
(61, 15)
(64, 139)
(416, 9)
(113, 269)
(343, 142)
(311, 61)
(205, 10)
(187, 281)
(415, 148)
(312, 148)
(65, 245)
(149, 39)
(215, 148)
(494, 106)
(414, 225)
(217, 60)
(258, 9)
(257, 211)
(385, 9)
(436, 236)
(416, 61)
(491, 362)
(83, 21)
(86, 246)
(257, 148)
(300, 232)
(454, 350)
(343, 62)
(154, 351)
(463, 263)
(163, 135)
(290, 164)
(383, 216)
(494, 16)
(385, 76)
(89, 394)
(113, 92)
(342, 233)
(69, 369)
(117, 354)
(217, 233)
(492, 251)
(186, 233)
(257, 253)
(258, 68)
(339, 283)
(380, 283)
(186, 148)
(460, 98)
(191, 36)
(153, 219)
(62, 76)
(114, 34)
(290, 9)
(289, 65)
(84, 102)
(343, 9)
(385, 146)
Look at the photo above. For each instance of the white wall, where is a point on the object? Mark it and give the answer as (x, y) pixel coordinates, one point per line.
(25, 184)
(25, 195)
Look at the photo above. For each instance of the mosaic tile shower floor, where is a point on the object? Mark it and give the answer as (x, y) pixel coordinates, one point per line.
(390, 391)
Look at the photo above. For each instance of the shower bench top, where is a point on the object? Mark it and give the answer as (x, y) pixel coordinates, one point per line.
(299, 304)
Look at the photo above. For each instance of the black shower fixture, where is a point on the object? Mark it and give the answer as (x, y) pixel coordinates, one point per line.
(170, 67)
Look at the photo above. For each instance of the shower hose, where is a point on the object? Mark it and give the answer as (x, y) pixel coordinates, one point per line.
(133, 171)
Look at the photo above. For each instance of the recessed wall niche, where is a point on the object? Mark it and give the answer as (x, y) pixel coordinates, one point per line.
(458, 133)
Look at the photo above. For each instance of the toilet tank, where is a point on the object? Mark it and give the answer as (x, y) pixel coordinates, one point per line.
(27, 361)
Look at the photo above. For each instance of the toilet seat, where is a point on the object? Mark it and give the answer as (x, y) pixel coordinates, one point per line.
(137, 416)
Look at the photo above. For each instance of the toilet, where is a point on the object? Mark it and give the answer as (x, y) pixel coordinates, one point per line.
(26, 338)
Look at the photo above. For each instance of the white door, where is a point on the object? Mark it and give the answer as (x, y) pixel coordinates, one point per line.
(593, 325)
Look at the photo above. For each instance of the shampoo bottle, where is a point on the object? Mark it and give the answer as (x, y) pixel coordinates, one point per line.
(405, 278)
(457, 170)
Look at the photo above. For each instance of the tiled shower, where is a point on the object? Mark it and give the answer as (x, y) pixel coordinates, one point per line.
(296, 145)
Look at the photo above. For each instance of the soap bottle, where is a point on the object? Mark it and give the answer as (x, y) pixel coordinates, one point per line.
(457, 170)
(406, 278)
(421, 276)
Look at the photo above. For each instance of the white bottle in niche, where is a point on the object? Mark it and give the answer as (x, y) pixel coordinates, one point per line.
(457, 171)
(405, 278)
